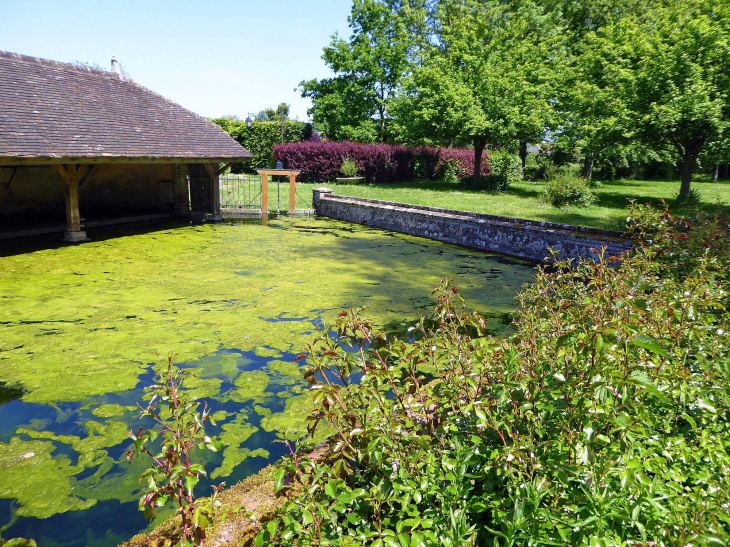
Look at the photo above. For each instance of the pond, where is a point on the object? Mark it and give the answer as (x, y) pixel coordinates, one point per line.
(80, 326)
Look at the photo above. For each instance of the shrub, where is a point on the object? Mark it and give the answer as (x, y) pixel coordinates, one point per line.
(381, 163)
(604, 420)
(506, 169)
(569, 191)
(452, 171)
(173, 475)
(348, 168)
(536, 166)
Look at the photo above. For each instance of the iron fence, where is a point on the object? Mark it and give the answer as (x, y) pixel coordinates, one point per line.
(240, 194)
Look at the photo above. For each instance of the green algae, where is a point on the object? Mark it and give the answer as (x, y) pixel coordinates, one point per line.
(288, 372)
(112, 410)
(111, 304)
(261, 410)
(42, 485)
(234, 434)
(250, 386)
(101, 435)
(80, 323)
(291, 424)
(202, 388)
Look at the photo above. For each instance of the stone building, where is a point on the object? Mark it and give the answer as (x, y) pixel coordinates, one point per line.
(81, 147)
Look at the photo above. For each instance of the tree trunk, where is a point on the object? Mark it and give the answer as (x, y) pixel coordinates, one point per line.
(716, 172)
(523, 155)
(479, 145)
(588, 165)
(688, 165)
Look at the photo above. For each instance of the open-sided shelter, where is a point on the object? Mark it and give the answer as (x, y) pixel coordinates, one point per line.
(95, 147)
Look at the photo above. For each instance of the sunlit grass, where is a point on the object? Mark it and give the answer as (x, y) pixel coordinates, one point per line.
(524, 199)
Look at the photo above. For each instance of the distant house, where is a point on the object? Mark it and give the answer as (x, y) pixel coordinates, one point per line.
(93, 147)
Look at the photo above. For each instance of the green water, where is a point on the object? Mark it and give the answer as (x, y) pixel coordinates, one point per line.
(79, 326)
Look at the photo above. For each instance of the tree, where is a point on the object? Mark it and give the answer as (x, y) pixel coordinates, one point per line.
(368, 68)
(273, 114)
(484, 81)
(280, 115)
(594, 117)
(674, 77)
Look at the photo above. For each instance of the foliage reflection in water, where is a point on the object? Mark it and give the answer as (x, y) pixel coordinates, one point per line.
(79, 325)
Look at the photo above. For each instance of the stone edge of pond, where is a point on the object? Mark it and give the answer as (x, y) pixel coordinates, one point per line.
(520, 238)
(254, 494)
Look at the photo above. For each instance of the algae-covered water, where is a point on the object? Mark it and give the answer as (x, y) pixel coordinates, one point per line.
(79, 326)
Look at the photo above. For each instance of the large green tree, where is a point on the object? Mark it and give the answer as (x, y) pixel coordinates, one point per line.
(672, 73)
(354, 103)
(485, 80)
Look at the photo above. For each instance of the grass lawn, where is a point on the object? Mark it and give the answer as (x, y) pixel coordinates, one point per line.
(524, 199)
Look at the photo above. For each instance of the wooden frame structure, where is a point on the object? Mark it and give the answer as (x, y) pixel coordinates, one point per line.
(291, 173)
(127, 134)
(71, 175)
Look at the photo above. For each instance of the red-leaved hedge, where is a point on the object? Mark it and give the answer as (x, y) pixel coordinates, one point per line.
(321, 161)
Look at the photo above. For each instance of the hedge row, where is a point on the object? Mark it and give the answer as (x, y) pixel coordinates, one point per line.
(260, 139)
(321, 161)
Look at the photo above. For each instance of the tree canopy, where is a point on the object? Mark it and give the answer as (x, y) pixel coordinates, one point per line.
(595, 75)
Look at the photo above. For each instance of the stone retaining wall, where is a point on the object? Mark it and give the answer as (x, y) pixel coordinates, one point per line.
(510, 236)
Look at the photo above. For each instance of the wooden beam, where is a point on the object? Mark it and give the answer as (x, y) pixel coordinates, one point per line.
(71, 193)
(211, 169)
(264, 195)
(12, 176)
(278, 171)
(214, 190)
(225, 166)
(81, 172)
(61, 170)
(82, 179)
(292, 193)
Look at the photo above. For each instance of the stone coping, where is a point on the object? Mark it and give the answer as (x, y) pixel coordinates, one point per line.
(481, 218)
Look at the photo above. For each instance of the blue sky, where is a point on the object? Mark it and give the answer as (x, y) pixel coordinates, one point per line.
(214, 57)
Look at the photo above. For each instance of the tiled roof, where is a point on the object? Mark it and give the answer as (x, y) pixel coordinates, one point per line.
(58, 110)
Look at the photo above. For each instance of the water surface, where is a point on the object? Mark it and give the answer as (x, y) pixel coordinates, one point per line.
(79, 326)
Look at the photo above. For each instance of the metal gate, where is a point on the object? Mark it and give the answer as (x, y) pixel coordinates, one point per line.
(240, 195)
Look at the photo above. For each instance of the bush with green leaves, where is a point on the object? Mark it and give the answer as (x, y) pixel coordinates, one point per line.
(536, 166)
(174, 473)
(568, 190)
(506, 169)
(603, 420)
(348, 168)
(453, 171)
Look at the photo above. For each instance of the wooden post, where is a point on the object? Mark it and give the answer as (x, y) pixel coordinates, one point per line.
(70, 175)
(292, 193)
(264, 195)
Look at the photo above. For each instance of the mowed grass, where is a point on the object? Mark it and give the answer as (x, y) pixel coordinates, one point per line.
(524, 199)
